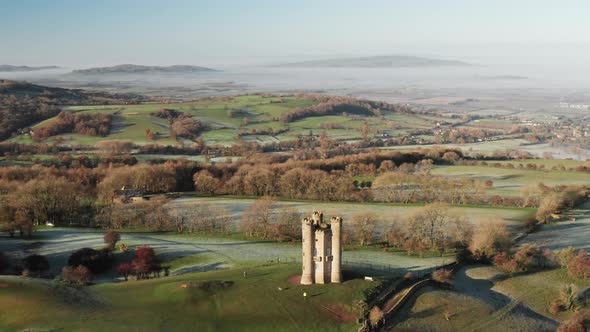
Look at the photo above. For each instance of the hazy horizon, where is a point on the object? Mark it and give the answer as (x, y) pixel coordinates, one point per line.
(225, 34)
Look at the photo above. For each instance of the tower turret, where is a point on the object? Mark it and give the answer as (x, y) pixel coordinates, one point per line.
(336, 272)
(307, 247)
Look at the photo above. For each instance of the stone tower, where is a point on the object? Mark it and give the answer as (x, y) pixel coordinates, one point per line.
(322, 250)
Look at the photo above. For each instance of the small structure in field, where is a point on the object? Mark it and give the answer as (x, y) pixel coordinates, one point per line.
(128, 195)
(322, 250)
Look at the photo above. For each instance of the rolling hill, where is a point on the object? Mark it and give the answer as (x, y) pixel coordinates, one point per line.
(385, 61)
(22, 103)
(259, 119)
(140, 69)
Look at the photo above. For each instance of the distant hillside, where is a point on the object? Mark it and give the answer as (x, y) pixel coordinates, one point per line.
(23, 103)
(386, 61)
(138, 69)
(9, 68)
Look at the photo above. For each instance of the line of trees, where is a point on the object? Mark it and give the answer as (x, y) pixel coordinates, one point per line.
(91, 124)
(343, 105)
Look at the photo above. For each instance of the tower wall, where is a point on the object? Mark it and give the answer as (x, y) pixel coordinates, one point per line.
(308, 243)
(323, 238)
(336, 270)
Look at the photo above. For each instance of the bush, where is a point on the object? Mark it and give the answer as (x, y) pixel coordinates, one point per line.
(489, 239)
(579, 267)
(443, 276)
(97, 261)
(375, 316)
(125, 270)
(35, 265)
(77, 275)
(527, 258)
(555, 307)
(578, 322)
(566, 256)
(569, 297)
(503, 262)
(530, 257)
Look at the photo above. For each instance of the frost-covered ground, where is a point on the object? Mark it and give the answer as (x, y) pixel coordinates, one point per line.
(208, 253)
(562, 234)
(385, 213)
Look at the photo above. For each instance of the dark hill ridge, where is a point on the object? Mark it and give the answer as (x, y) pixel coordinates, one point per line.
(11, 68)
(139, 69)
(384, 61)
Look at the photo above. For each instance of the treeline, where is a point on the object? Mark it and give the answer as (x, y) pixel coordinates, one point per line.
(528, 165)
(343, 105)
(91, 124)
(22, 103)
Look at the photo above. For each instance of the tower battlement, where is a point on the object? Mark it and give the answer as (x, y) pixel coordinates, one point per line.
(321, 249)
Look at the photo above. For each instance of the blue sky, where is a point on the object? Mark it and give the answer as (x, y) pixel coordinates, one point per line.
(85, 32)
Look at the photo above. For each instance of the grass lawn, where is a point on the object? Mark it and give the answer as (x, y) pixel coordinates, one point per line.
(511, 181)
(243, 304)
(538, 290)
(385, 212)
(429, 311)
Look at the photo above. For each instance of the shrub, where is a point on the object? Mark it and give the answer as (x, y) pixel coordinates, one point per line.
(503, 262)
(566, 256)
(489, 239)
(443, 276)
(97, 261)
(530, 257)
(35, 265)
(145, 262)
(580, 266)
(578, 322)
(555, 307)
(569, 297)
(375, 316)
(77, 275)
(111, 238)
(125, 270)
(527, 258)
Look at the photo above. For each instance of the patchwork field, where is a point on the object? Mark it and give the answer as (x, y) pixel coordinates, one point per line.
(225, 118)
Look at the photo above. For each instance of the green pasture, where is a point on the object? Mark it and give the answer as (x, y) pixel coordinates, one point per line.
(254, 303)
(386, 213)
(261, 112)
(511, 181)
